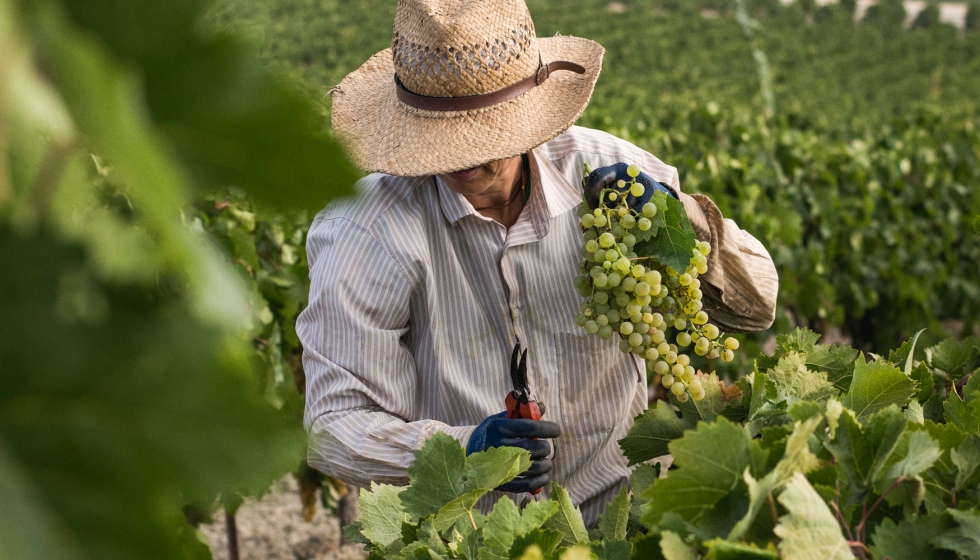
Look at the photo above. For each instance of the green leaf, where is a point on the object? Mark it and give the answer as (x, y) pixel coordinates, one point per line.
(652, 432)
(955, 358)
(491, 468)
(965, 537)
(613, 550)
(706, 409)
(876, 386)
(641, 480)
(795, 383)
(456, 509)
(964, 414)
(506, 522)
(545, 539)
(382, 513)
(809, 531)
(698, 484)
(903, 356)
(837, 361)
(436, 477)
(568, 519)
(916, 451)
(427, 535)
(726, 550)
(801, 340)
(923, 377)
(909, 539)
(674, 242)
(966, 458)
(860, 454)
(612, 523)
(763, 407)
(673, 548)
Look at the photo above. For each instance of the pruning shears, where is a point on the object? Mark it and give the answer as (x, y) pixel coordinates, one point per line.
(520, 402)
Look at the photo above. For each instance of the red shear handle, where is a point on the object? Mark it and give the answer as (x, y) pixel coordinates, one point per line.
(517, 409)
(530, 411)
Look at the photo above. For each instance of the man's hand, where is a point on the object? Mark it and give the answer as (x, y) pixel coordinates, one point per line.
(609, 177)
(531, 435)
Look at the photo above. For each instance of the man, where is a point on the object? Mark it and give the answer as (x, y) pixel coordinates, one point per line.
(466, 241)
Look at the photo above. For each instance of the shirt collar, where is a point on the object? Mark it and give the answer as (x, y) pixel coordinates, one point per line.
(551, 196)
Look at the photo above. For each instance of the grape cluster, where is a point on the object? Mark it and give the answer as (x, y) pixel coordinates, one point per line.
(640, 298)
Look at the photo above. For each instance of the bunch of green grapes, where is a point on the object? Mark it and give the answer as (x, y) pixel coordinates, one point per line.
(639, 298)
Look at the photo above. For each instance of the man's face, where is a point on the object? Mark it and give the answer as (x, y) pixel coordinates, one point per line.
(479, 180)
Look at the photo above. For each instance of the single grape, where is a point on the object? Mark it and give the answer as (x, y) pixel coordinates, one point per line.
(658, 337)
(637, 190)
(614, 279)
(623, 299)
(624, 346)
(731, 343)
(613, 315)
(689, 373)
(583, 306)
(667, 380)
(621, 183)
(657, 320)
(644, 224)
(684, 279)
(642, 289)
(713, 355)
(601, 308)
(605, 332)
(680, 324)
(670, 356)
(704, 247)
(649, 210)
(663, 348)
(600, 280)
(618, 231)
(636, 338)
(677, 370)
(651, 354)
(628, 222)
(607, 239)
(601, 220)
(641, 327)
(700, 319)
(633, 170)
(591, 327)
(728, 355)
(591, 235)
(581, 319)
(613, 196)
(602, 320)
(629, 240)
(623, 264)
(702, 346)
(588, 221)
(629, 284)
(677, 389)
(626, 329)
(601, 298)
(684, 359)
(662, 368)
(695, 386)
(683, 339)
(632, 308)
(710, 331)
(622, 211)
(683, 398)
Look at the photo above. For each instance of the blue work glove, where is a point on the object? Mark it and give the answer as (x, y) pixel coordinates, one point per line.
(608, 177)
(500, 431)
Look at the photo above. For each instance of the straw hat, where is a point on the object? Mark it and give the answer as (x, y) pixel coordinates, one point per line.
(465, 82)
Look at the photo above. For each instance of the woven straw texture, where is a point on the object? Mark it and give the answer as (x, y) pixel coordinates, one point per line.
(456, 48)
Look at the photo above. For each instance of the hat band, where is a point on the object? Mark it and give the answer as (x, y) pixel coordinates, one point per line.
(471, 102)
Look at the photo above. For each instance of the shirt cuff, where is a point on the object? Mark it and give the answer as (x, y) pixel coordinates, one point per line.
(461, 433)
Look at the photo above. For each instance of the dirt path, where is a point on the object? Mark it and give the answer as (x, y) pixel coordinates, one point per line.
(273, 529)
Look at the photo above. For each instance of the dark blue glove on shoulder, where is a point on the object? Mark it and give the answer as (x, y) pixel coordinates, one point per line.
(531, 435)
(608, 177)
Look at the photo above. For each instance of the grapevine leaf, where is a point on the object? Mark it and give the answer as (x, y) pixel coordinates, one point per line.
(354, 533)
(436, 477)
(382, 513)
(427, 535)
(922, 375)
(964, 538)
(955, 358)
(613, 550)
(641, 480)
(903, 356)
(940, 479)
(966, 458)
(456, 509)
(763, 406)
(797, 458)
(506, 521)
(837, 361)
(612, 523)
(493, 467)
(795, 383)
(916, 451)
(674, 242)
(545, 539)
(651, 432)
(535, 514)
(706, 409)
(699, 483)
(877, 385)
(800, 340)
(726, 550)
(909, 539)
(860, 453)
(673, 548)
(568, 519)
(809, 531)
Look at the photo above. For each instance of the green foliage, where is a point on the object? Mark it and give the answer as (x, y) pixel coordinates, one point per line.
(132, 381)
(828, 475)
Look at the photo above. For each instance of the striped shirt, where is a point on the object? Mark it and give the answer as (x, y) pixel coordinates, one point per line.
(416, 301)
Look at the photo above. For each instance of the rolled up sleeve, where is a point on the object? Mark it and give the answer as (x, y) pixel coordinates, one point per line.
(361, 378)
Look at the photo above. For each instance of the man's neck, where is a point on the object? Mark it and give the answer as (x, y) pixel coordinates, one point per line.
(504, 199)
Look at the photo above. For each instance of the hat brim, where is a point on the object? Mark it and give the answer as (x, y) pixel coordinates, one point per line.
(381, 134)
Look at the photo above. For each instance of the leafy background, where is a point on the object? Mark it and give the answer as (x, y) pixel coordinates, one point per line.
(146, 366)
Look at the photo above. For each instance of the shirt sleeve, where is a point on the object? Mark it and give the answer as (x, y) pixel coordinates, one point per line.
(360, 377)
